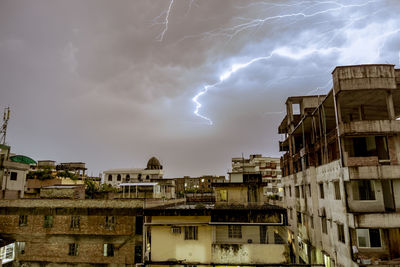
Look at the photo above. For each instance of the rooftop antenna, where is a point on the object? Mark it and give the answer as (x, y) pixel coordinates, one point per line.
(3, 130)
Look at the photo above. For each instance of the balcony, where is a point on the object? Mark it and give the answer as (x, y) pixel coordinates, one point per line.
(369, 127)
(387, 172)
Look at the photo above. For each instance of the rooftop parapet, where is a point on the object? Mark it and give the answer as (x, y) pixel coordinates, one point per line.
(364, 77)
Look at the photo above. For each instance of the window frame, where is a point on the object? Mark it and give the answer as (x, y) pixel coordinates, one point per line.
(75, 222)
(23, 220)
(73, 249)
(109, 250)
(368, 237)
(48, 221)
(191, 232)
(235, 231)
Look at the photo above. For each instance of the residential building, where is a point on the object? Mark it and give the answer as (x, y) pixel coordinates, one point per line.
(13, 171)
(269, 168)
(221, 235)
(65, 232)
(341, 171)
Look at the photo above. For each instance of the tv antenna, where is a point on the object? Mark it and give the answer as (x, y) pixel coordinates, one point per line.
(3, 130)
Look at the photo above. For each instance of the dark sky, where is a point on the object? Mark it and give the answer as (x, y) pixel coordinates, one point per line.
(111, 83)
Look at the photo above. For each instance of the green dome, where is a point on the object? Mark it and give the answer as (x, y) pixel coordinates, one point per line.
(23, 159)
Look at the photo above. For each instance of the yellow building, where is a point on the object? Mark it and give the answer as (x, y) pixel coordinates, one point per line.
(209, 236)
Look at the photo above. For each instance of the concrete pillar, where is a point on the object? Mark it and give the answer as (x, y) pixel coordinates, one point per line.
(390, 105)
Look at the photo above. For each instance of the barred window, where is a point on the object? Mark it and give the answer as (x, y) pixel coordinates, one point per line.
(75, 222)
(191, 232)
(235, 231)
(48, 221)
(73, 249)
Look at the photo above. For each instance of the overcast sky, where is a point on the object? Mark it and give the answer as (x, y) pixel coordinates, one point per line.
(111, 83)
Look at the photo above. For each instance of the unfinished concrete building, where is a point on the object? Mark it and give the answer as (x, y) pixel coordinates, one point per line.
(341, 171)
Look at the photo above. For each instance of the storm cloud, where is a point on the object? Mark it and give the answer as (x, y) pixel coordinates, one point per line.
(111, 83)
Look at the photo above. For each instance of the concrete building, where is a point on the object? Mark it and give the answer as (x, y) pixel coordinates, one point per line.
(341, 171)
(154, 170)
(209, 236)
(269, 168)
(13, 171)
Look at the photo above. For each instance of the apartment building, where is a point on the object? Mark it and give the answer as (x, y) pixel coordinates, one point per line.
(341, 172)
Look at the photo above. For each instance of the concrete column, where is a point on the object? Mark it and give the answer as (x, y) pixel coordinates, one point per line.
(390, 105)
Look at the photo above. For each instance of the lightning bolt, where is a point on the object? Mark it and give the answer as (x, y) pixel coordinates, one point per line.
(287, 52)
(160, 37)
(284, 52)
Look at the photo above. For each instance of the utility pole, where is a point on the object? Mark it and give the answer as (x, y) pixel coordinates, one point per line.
(3, 130)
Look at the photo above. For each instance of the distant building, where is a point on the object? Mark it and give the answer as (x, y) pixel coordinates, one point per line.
(115, 177)
(268, 167)
(199, 184)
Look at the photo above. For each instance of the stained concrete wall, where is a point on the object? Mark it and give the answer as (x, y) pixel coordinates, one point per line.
(168, 246)
(249, 253)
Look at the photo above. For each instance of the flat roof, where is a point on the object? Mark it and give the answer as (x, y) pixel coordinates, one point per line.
(138, 184)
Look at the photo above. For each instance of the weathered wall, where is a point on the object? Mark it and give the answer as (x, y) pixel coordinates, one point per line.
(167, 246)
(249, 253)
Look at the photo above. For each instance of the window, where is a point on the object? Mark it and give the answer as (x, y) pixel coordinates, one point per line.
(13, 176)
(223, 195)
(337, 190)
(321, 191)
(23, 220)
(75, 222)
(139, 176)
(109, 250)
(175, 229)
(340, 231)
(302, 191)
(73, 249)
(291, 213)
(312, 221)
(119, 177)
(139, 225)
(263, 234)
(290, 190)
(127, 178)
(235, 231)
(299, 217)
(21, 247)
(364, 190)
(309, 190)
(147, 177)
(324, 225)
(109, 223)
(297, 191)
(191, 232)
(138, 254)
(109, 177)
(48, 221)
(369, 238)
